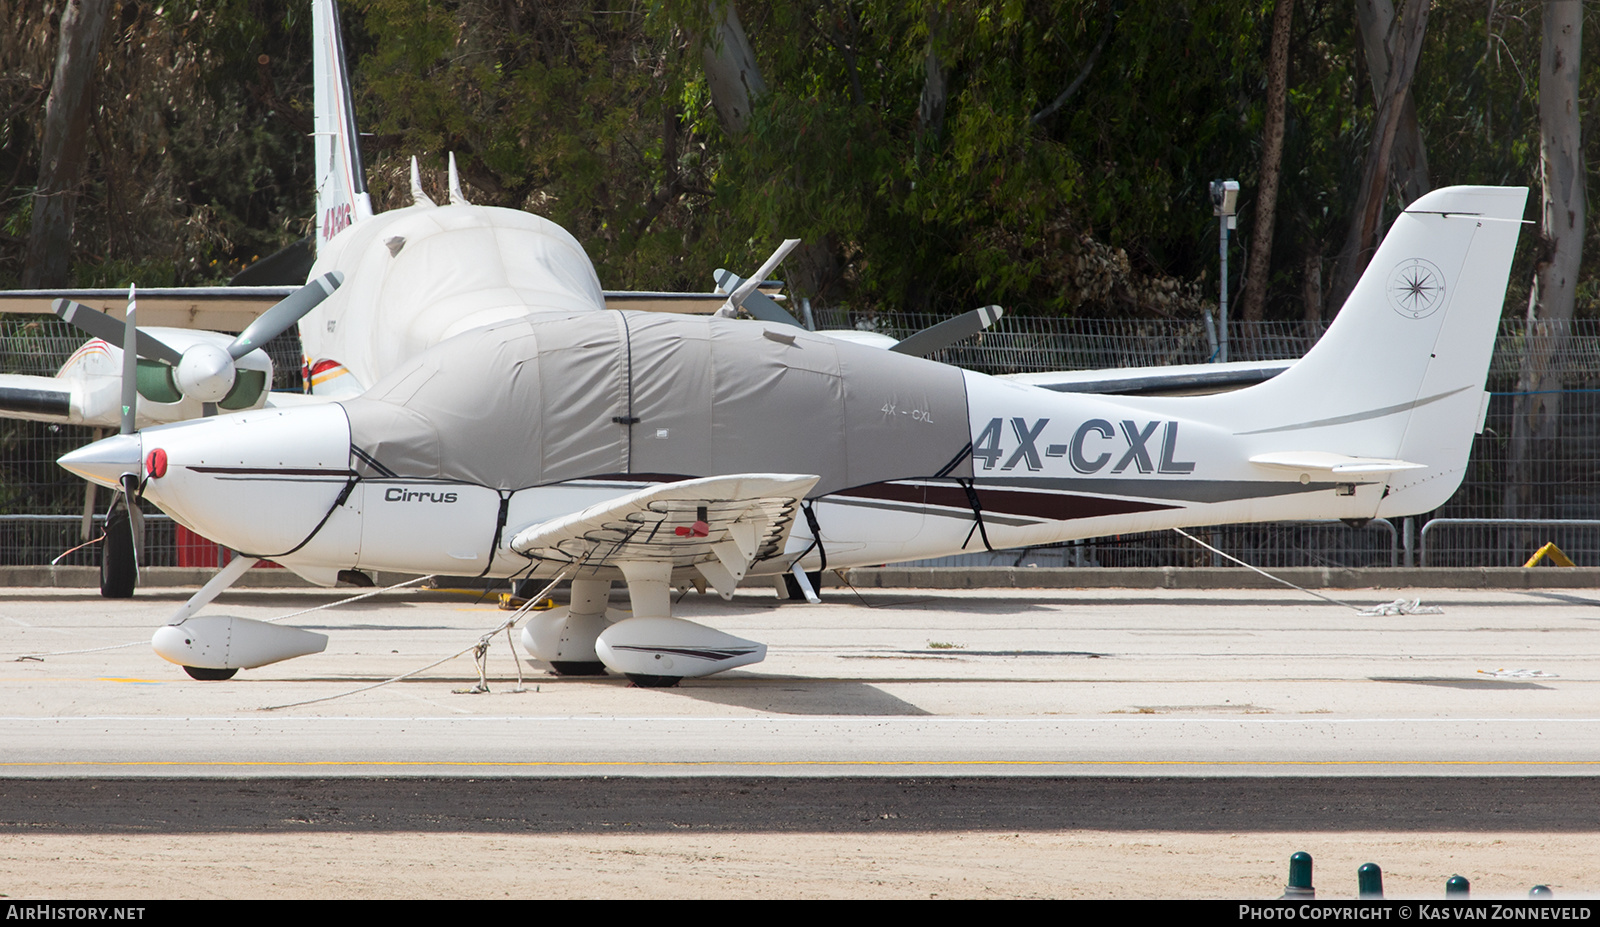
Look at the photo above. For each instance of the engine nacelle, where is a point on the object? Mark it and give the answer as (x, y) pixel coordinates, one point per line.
(666, 648)
(226, 642)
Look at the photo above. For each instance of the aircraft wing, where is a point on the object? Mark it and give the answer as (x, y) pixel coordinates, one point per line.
(1178, 379)
(218, 308)
(652, 301)
(38, 399)
(720, 525)
(232, 308)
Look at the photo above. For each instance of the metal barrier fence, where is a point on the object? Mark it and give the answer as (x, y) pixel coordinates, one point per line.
(1280, 544)
(1564, 484)
(1506, 541)
(35, 540)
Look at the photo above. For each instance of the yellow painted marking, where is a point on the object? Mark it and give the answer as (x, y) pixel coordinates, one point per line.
(129, 679)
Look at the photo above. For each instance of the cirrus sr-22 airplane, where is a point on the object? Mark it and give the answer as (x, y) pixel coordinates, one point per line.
(496, 419)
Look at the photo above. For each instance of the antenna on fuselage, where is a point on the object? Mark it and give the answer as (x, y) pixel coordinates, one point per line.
(457, 198)
(419, 197)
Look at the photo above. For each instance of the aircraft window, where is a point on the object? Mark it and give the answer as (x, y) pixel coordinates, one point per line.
(155, 381)
(247, 388)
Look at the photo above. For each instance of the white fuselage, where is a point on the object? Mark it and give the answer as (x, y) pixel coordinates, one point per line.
(497, 400)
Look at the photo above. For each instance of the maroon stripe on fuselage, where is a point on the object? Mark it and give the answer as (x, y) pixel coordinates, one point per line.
(637, 478)
(272, 471)
(1056, 506)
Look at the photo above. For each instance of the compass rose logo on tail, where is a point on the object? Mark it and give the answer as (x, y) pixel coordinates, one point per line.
(1416, 288)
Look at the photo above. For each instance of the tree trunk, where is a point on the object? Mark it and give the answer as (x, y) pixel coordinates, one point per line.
(1311, 286)
(930, 106)
(1253, 297)
(64, 150)
(735, 82)
(1408, 160)
(1562, 174)
(1361, 239)
(731, 71)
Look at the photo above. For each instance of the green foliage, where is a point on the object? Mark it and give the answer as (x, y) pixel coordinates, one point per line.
(193, 169)
(599, 116)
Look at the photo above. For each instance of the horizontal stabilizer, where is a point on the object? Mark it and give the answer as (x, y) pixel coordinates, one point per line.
(1325, 462)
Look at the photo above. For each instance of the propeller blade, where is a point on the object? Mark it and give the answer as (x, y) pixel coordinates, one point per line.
(739, 295)
(276, 321)
(949, 331)
(97, 324)
(130, 366)
(758, 304)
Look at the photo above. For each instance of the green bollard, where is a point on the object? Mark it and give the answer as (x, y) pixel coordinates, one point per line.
(1457, 887)
(1369, 881)
(1541, 891)
(1299, 877)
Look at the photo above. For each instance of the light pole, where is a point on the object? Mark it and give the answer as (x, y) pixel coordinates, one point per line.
(1225, 206)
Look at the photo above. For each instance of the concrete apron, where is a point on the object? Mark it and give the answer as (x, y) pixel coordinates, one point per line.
(890, 577)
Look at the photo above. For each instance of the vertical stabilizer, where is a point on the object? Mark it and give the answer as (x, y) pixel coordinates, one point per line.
(341, 180)
(1400, 372)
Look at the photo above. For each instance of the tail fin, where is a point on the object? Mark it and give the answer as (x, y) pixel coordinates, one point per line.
(1401, 370)
(341, 181)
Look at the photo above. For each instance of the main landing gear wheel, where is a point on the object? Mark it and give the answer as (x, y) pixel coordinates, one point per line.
(654, 682)
(119, 568)
(210, 675)
(578, 667)
(792, 585)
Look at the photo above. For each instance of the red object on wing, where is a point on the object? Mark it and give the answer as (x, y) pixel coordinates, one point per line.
(697, 530)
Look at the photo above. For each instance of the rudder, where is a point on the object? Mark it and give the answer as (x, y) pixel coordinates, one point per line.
(341, 180)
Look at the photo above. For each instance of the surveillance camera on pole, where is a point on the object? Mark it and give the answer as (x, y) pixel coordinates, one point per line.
(1225, 206)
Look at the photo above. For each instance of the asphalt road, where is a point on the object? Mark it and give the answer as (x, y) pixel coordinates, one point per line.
(672, 805)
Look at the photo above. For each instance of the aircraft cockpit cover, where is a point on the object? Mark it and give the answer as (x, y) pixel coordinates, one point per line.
(554, 397)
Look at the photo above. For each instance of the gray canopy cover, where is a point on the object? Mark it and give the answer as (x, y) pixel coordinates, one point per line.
(559, 396)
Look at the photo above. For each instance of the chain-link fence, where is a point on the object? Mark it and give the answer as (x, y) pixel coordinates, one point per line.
(1554, 474)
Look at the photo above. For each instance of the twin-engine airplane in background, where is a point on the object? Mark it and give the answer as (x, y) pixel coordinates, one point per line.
(418, 276)
(489, 417)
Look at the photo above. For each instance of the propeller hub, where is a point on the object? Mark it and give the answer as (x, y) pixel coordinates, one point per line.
(205, 373)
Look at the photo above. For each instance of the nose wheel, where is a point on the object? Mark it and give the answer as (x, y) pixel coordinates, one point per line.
(119, 564)
(210, 675)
